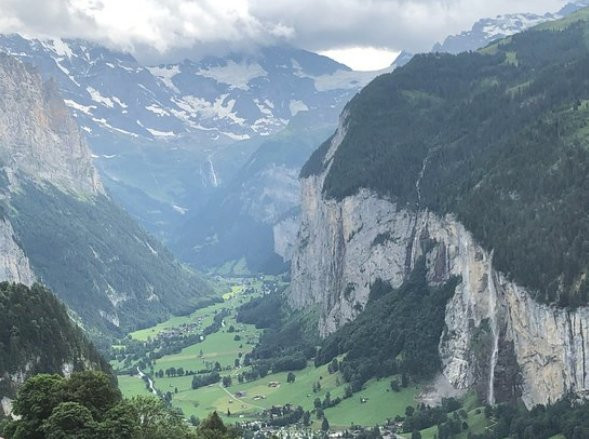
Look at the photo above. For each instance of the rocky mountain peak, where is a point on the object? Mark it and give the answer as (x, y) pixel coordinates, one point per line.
(487, 30)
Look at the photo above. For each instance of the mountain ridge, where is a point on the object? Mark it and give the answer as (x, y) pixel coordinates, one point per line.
(179, 98)
(156, 132)
(61, 227)
(487, 30)
(462, 160)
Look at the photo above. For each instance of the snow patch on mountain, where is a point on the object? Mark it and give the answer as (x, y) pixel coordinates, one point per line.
(157, 110)
(237, 75)
(487, 30)
(221, 108)
(119, 102)
(157, 133)
(98, 98)
(215, 99)
(60, 47)
(103, 123)
(296, 106)
(237, 137)
(166, 75)
(86, 109)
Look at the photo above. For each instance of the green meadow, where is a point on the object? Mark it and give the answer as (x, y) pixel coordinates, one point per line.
(375, 404)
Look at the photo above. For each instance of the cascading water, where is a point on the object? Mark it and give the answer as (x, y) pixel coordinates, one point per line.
(494, 330)
(490, 281)
(212, 173)
(412, 242)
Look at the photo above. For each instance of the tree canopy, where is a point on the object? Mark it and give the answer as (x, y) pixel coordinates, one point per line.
(498, 138)
(88, 405)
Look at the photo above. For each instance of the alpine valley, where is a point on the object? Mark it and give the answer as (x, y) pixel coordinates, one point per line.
(267, 243)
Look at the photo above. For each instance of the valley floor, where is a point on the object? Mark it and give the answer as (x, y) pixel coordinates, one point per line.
(211, 340)
(245, 402)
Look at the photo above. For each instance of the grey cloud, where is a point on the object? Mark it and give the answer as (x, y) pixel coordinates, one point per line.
(394, 24)
(168, 29)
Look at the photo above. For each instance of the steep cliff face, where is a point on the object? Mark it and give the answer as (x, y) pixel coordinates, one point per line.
(478, 164)
(59, 226)
(285, 236)
(14, 265)
(40, 142)
(39, 136)
(497, 338)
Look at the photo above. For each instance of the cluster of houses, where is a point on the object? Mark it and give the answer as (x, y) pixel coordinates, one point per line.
(185, 329)
(264, 431)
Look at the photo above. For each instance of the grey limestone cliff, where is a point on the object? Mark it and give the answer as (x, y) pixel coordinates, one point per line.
(14, 265)
(497, 339)
(40, 142)
(40, 138)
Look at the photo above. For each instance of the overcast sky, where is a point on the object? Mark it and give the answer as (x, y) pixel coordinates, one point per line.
(168, 30)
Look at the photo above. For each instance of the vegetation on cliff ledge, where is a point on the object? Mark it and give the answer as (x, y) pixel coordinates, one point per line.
(398, 332)
(497, 137)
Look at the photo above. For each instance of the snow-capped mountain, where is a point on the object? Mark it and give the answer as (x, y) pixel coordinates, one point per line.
(244, 96)
(164, 137)
(487, 30)
(217, 98)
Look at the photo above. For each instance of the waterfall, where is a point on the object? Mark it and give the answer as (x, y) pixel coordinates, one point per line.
(494, 330)
(409, 254)
(212, 174)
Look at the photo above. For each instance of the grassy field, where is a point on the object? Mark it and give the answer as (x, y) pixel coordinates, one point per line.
(246, 400)
(235, 290)
(219, 347)
(477, 423)
(132, 386)
(381, 404)
(231, 298)
(375, 404)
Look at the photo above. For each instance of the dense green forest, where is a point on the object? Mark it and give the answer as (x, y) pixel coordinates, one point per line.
(397, 332)
(91, 254)
(501, 135)
(35, 329)
(289, 339)
(569, 417)
(88, 405)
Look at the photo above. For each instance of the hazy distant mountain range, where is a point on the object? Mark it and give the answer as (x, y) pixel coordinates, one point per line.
(162, 135)
(235, 97)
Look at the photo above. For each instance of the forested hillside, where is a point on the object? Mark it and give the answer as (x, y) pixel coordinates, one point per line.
(64, 227)
(37, 335)
(397, 332)
(99, 261)
(497, 137)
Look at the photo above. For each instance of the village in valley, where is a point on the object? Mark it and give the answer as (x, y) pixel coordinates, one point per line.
(201, 363)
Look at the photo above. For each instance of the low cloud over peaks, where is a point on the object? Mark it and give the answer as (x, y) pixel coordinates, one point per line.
(162, 29)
